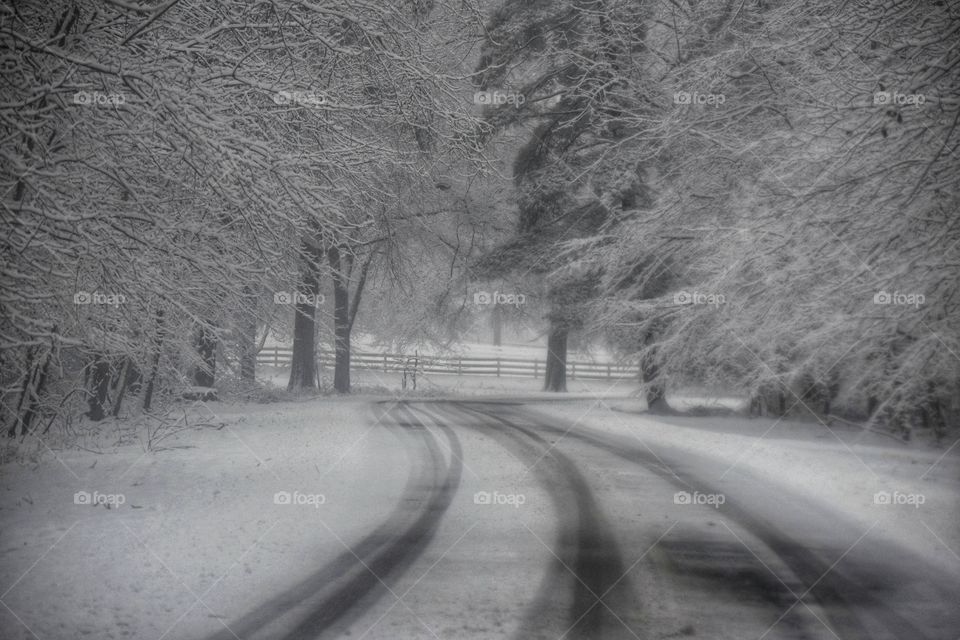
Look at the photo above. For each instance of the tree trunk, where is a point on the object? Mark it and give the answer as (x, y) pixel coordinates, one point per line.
(34, 400)
(656, 392)
(341, 323)
(555, 378)
(303, 366)
(155, 365)
(121, 387)
(24, 391)
(248, 338)
(100, 385)
(206, 344)
(30, 396)
(496, 320)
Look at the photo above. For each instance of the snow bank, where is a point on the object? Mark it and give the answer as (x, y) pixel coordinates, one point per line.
(913, 490)
(166, 544)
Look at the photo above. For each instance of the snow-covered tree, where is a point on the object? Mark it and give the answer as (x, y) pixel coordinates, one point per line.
(806, 186)
(181, 164)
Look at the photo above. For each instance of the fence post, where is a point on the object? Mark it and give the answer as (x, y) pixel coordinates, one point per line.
(276, 356)
(573, 370)
(384, 363)
(608, 371)
(459, 366)
(498, 367)
(536, 369)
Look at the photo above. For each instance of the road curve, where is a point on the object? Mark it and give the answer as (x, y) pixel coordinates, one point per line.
(618, 558)
(324, 603)
(588, 564)
(871, 589)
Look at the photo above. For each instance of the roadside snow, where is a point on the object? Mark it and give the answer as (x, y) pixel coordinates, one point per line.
(130, 543)
(165, 544)
(838, 466)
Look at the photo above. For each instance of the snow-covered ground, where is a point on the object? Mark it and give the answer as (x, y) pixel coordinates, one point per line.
(836, 465)
(133, 543)
(191, 527)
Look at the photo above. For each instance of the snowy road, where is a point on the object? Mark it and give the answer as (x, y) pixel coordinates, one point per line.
(515, 525)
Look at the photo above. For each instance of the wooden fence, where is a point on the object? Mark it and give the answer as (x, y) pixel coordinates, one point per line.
(457, 365)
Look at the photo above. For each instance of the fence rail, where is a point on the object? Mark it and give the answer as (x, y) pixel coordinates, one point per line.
(458, 365)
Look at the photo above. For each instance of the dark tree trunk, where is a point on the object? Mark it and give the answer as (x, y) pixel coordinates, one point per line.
(341, 323)
(769, 399)
(206, 343)
(555, 378)
(148, 393)
(134, 378)
(155, 364)
(24, 391)
(248, 339)
(341, 370)
(496, 320)
(345, 310)
(34, 400)
(656, 392)
(832, 389)
(303, 366)
(121, 387)
(30, 395)
(303, 369)
(656, 389)
(100, 385)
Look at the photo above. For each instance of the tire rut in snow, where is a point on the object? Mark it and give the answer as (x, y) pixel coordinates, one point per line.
(327, 601)
(588, 571)
(855, 594)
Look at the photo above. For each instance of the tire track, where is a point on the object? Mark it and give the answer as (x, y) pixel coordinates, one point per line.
(588, 564)
(844, 591)
(326, 602)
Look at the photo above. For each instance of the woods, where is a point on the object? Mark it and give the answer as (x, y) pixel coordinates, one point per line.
(775, 189)
(177, 167)
(755, 196)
